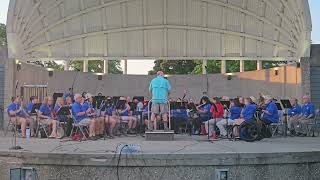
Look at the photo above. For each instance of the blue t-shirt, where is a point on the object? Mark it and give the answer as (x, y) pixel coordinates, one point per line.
(159, 87)
(46, 110)
(29, 107)
(295, 110)
(107, 109)
(14, 107)
(77, 108)
(273, 110)
(86, 105)
(235, 112)
(308, 109)
(248, 112)
(126, 112)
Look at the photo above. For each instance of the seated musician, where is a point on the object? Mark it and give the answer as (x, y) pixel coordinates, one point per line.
(308, 113)
(203, 111)
(81, 117)
(69, 101)
(99, 121)
(59, 104)
(235, 112)
(247, 113)
(45, 114)
(217, 111)
(16, 110)
(294, 114)
(32, 118)
(110, 120)
(270, 113)
(33, 100)
(126, 115)
(139, 105)
(179, 116)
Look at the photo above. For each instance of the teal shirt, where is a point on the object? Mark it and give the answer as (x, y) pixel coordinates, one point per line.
(159, 87)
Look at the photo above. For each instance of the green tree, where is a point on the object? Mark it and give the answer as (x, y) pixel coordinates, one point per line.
(213, 66)
(96, 66)
(3, 35)
(173, 66)
(48, 64)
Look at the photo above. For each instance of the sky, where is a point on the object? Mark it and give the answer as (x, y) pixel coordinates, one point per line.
(143, 66)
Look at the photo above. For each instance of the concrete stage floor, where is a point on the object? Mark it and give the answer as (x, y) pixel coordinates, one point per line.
(183, 144)
(283, 158)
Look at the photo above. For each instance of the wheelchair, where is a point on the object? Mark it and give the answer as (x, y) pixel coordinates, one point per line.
(251, 131)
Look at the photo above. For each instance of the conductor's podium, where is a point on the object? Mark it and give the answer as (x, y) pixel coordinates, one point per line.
(159, 135)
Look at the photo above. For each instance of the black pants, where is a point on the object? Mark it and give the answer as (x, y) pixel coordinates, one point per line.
(68, 127)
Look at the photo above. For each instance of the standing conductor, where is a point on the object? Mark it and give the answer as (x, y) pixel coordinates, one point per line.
(160, 89)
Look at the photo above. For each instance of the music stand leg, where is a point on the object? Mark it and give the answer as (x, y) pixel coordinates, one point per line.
(15, 146)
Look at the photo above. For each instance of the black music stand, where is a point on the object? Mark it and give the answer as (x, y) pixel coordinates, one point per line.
(139, 98)
(226, 105)
(97, 101)
(279, 107)
(119, 104)
(64, 111)
(56, 96)
(286, 104)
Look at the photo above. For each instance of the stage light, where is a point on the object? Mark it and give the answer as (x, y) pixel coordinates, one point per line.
(100, 75)
(18, 67)
(276, 71)
(50, 70)
(229, 76)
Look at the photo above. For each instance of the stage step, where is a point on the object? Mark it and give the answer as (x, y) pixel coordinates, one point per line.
(159, 135)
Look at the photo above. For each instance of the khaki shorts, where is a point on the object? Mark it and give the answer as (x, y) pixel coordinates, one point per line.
(158, 108)
(86, 122)
(46, 121)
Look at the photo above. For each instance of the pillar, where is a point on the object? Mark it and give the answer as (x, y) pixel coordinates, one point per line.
(259, 65)
(125, 67)
(105, 67)
(66, 65)
(223, 66)
(241, 65)
(204, 66)
(85, 66)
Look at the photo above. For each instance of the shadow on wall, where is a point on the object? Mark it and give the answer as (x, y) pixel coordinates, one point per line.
(282, 82)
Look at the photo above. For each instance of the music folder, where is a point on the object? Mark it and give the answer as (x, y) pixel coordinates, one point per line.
(226, 104)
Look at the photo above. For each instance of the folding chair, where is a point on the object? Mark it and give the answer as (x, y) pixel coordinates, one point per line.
(76, 127)
(313, 126)
(41, 125)
(275, 128)
(11, 124)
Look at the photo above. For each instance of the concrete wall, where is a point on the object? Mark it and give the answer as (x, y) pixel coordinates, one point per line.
(3, 58)
(286, 84)
(240, 166)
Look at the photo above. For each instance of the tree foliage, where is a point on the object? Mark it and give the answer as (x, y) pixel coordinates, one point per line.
(96, 66)
(213, 66)
(173, 67)
(48, 64)
(3, 35)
